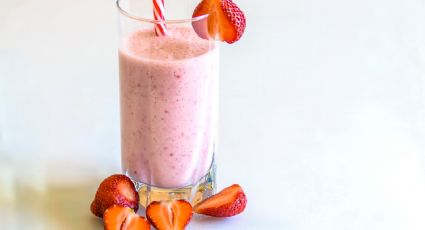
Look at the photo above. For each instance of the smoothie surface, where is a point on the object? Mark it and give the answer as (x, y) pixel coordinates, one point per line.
(182, 43)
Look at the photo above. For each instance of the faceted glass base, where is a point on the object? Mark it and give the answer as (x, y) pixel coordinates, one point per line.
(195, 193)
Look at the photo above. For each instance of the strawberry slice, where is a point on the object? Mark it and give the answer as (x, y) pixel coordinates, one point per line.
(182, 213)
(119, 217)
(229, 202)
(114, 217)
(116, 189)
(169, 215)
(135, 222)
(225, 21)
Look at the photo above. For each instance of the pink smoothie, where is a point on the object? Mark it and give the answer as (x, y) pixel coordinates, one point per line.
(168, 88)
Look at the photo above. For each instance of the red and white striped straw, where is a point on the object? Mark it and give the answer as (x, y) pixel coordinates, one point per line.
(159, 14)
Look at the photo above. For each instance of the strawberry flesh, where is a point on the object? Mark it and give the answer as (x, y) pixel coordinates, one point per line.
(114, 217)
(225, 22)
(119, 217)
(229, 202)
(159, 215)
(135, 222)
(169, 215)
(182, 213)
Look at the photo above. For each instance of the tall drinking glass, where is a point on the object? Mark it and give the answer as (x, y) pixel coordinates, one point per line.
(169, 102)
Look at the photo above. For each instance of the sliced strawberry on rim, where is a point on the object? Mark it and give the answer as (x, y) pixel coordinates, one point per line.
(169, 215)
(229, 202)
(225, 21)
(119, 217)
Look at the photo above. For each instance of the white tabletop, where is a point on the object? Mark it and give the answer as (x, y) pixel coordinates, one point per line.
(322, 115)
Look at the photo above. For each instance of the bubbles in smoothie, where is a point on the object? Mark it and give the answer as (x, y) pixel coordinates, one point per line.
(182, 43)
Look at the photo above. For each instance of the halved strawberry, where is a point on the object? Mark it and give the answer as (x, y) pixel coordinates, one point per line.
(169, 215)
(119, 217)
(116, 189)
(225, 21)
(135, 222)
(182, 213)
(114, 217)
(229, 202)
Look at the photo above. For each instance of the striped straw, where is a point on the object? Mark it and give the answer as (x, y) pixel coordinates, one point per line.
(158, 13)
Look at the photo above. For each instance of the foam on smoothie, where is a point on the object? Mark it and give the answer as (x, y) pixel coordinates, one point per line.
(182, 43)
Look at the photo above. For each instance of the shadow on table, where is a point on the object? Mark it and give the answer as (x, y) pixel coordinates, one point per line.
(69, 207)
(58, 207)
(206, 219)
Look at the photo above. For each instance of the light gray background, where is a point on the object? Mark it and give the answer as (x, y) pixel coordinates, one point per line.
(322, 114)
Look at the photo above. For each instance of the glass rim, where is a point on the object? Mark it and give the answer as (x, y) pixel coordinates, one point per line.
(143, 19)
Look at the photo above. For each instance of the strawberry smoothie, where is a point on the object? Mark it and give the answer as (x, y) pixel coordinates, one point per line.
(168, 88)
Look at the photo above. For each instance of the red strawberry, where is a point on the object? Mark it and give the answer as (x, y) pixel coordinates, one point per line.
(119, 217)
(229, 202)
(116, 189)
(169, 215)
(225, 22)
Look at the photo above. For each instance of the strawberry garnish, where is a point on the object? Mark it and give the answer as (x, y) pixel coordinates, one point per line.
(225, 21)
(229, 202)
(169, 215)
(116, 189)
(119, 217)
